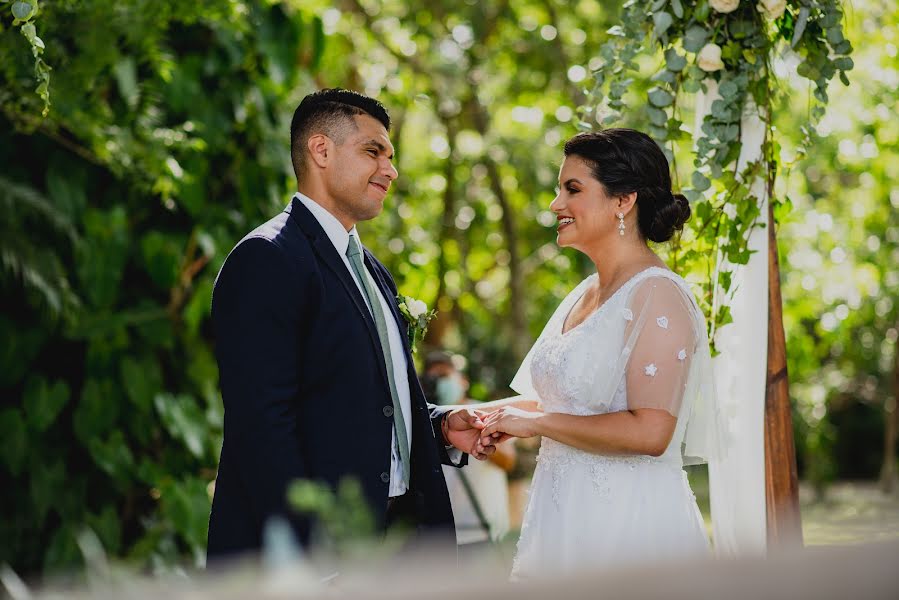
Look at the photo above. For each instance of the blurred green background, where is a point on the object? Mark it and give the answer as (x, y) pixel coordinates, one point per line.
(168, 139)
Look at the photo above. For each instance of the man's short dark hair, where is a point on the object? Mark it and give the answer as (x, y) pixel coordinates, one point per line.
(331, 112)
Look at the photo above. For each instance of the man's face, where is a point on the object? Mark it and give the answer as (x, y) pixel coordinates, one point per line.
(360, 175)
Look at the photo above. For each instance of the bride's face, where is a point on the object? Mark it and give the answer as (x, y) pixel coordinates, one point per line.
(585, 214)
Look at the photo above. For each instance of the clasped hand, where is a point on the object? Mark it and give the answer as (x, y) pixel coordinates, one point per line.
(478, 432)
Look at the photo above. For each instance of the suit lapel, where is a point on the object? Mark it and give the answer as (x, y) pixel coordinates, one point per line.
(328, 254)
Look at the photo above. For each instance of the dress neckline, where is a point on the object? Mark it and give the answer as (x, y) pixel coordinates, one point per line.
(600, 308)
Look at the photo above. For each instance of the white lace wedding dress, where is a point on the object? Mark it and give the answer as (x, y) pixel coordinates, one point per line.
(646, 347)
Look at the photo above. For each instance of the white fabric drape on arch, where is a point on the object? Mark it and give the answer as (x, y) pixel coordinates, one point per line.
(737, 481)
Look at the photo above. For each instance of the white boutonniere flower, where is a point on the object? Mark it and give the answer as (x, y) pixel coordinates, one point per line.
(417, 316)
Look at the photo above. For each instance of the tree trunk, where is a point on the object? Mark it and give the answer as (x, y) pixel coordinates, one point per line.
(444, 319)
(891, 425)
(781, 480)
(519, 329)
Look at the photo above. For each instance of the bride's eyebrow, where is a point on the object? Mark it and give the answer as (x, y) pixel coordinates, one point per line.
(573, 180)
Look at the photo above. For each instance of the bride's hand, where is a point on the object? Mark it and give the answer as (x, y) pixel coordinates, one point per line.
(511, 421)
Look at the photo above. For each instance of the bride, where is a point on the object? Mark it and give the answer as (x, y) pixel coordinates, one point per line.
(621, 373)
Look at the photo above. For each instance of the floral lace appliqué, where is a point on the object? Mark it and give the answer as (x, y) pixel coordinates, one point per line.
(663, 322)
(651, 370)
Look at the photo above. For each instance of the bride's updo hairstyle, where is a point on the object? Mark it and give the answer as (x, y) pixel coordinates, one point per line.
(625, 161)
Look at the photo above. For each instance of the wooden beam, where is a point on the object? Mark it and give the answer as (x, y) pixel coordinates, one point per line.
(781, 479)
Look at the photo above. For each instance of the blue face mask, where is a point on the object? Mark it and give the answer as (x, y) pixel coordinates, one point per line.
(449, 390)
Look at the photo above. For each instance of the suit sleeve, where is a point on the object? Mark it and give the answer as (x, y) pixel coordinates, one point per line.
(448, 455)
(255, 311)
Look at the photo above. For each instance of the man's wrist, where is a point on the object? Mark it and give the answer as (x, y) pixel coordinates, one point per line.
(444, 428)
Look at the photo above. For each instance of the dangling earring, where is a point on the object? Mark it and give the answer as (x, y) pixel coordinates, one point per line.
(620, 223)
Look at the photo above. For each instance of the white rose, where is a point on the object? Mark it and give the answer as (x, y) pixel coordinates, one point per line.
(730, 209)
(725, 6)
(709, 58)
(417, 308)
(773, 9)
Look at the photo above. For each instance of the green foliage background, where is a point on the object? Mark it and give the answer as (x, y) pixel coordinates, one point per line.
(167, 140)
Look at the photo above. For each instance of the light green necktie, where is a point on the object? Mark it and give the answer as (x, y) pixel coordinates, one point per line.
(354, 253)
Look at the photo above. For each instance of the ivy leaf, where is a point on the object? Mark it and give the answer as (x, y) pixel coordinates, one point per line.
(702, 11)
(694, 38)
(13, 439)
(22, 10)
(674, 61)
(660, 98)
(43, 401)
(661, 22)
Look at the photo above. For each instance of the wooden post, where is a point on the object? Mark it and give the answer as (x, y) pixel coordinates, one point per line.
(781, 480)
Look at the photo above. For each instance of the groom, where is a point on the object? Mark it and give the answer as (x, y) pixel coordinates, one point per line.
(315, 367)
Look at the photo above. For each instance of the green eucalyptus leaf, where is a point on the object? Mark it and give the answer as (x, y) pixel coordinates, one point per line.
(660, 98)
(700, 182)
(695, 38)
(799, 28)
(674, 61)
(678, 8)
(665, 76)
(691, 86)
(661, 22)
(844, 63)
(657, 116)
(835, 35)
(728, 89)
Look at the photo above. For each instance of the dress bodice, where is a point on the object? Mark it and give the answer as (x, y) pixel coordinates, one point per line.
(567, 368)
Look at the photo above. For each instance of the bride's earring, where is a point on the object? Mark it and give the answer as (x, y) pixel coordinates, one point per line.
(620, 223)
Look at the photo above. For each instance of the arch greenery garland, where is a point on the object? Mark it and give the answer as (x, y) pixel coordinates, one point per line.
(734, 43)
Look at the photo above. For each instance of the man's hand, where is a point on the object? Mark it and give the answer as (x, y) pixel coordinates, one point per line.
(462, 428)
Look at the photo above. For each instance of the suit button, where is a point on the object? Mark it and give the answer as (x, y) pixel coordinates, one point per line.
(388, 411)
(385, 477)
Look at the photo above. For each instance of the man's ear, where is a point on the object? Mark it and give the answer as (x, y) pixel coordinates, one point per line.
(321, 149)
(626, 203)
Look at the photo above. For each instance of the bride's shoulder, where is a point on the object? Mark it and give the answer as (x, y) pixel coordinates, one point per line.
(660, 283)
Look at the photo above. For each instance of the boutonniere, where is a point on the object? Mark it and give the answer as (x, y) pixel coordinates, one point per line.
(417, 316)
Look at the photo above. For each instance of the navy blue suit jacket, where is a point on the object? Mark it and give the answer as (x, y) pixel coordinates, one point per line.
(305, 387)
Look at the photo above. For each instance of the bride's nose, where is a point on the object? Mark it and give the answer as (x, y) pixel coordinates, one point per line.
(556, 205)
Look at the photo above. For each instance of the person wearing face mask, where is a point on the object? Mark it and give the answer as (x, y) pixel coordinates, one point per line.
(479, 493)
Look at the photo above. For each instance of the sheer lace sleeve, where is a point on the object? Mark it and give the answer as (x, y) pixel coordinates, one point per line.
(665, 363)
(660, 345)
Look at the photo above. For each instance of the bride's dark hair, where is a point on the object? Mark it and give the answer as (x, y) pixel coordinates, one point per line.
(625, 161)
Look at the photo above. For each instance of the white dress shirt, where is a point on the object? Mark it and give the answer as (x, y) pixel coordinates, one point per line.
(340, 237)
